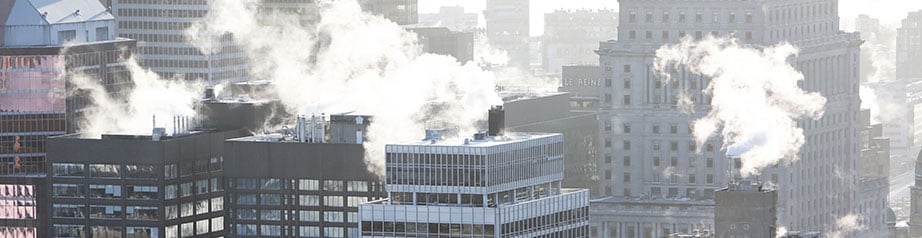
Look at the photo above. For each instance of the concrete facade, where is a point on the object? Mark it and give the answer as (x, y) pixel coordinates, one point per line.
(649, 131)
(571, 37)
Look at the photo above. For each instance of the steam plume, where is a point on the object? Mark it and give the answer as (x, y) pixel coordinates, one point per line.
(353, 61)
(150, 96)
(755, 98)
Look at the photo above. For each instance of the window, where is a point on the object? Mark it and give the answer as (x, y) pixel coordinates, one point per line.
(68, 170)
(715, 17)
(665, 17)
(186, 209)
(627, 161)
(632, 35)
(627, 177)
(270, 230)
(682, 17)
(699, 18)
(270, 215)
(691, 179)
(732, 18)
(748, 17)
(674, 129)
(649, 35)
(140, 172)
(246, 199)
(627, 100)
(333, 201)
(247, 229)
(333, 232)
(710, 179)
(269, 184)
(68, 35)
(185, 189)
(309, 216)
(674, 161)
(626, 145)
(172, 212)
(217, 184)
(143, 213)
(142, 192)
(104, 171)
(656, 161)
(632, 18)
(68, 190)
(169, 171)
(68, 231)
(357, 186)
(607, 158)
(656, 145)
(627, 68)
(333, 216)
(217, 224)
(201, 207)
(355, 201)
(269, 199)
(649, 18)
(134, 231)
(201, 186)
(332, 185)
(710, 163)
(106, 212)
(217, 204)
(105, 191)
(309, 200)
(665, 36)
(68, 211)
(201, 227)
(186, 229)
(169, 192)
(626, 128)
(655, 129)
(673, 146)
(246, 214)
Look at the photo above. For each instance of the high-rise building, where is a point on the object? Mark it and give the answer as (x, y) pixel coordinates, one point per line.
(492, 185)
(745, 209)
(571, 37)
(285, 186)
(649, 131)
(909, 47)
(164, 47)
(402, 12)
(508, 29)
(915, 217)
(43, 45)
(452, 17)
(155, 185)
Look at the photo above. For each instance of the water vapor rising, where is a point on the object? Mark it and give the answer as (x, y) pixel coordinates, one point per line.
(150, 96)
(755, 98)
(846, 226)
(353, 61)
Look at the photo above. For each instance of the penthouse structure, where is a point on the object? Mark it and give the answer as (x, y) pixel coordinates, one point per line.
(492, 185)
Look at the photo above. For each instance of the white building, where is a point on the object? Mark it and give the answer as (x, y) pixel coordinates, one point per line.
(489, 186)
(646, 143)
(163, 47)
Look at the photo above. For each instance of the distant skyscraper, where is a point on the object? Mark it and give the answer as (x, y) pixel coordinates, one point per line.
(571, 37)
(402, 12)
(452, 17)
(492, 185)
(655, 155)
(163, 47)
(43, 44)
(869, 28)
(508, 29)
(909, 47)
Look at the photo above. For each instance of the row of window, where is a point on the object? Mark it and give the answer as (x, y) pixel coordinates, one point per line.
(302, 231)
(665, 17)
(302, 200)
(196, 228)
(304, 185)
(251, 214)
(187, 189)
(161, 13)
(105, 191)
(165, 2)
(398, 229)
(550, 221)
(61, 231)
(198, 207)
(113, 212)
(112, 171)
(665, 36)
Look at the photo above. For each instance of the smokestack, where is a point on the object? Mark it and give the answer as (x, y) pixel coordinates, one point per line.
(497, 121)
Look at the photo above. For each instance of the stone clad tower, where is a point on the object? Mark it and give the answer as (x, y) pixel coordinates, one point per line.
(915, 217)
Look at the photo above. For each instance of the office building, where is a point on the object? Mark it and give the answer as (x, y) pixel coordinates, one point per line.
(909, 47)
(453, 18)
(572, 36)
(492, 185)
(156, 185)
(164, 47)
(507, 29)
(915, 218)
(286, 186)
(550, 113)
(444, 41)
(43, 44)
(648, 130)
(745, 209)
(584, 83)
(402, 12)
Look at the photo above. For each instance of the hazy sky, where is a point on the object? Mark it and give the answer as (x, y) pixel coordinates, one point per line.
(889, 11)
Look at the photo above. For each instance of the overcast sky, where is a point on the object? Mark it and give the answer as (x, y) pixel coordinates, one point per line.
(889, 11)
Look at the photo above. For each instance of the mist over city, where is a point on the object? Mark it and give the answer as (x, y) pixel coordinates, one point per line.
(461, 118)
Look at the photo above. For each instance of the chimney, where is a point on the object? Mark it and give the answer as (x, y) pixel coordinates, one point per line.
(209, 94)
(497, 121)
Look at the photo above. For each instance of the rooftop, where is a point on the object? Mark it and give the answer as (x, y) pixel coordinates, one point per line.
(50, 12)
(486, 141)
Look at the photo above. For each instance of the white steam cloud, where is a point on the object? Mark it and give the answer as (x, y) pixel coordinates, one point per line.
(353, 61)
(847, 226)
(755, 102)
(150, 97)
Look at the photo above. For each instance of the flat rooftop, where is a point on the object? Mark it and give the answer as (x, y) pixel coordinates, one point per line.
(507, 138)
